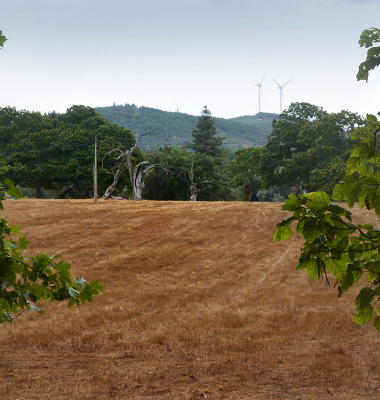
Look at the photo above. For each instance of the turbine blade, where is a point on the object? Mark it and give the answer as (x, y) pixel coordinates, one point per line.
(279, 86)
(287, 82)
(262, 79)
(258, 84)
(262, 92)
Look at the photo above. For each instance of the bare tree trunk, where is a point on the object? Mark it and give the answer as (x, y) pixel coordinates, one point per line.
(193, 186)
(193, 192)
(108, 193)
(126, 162)
(140, 174)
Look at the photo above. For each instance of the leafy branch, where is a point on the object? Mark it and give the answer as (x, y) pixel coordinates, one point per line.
(23, 282)
(332, 242)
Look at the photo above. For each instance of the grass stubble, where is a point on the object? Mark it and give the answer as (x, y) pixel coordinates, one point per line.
(199, 303)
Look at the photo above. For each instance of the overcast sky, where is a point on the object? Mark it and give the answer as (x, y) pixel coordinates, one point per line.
(157, 53)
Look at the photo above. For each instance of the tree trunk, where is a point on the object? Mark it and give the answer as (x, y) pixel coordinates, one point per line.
(39, 192)
(108, 193)
(193, 192)
(140, 174)
(248, 191)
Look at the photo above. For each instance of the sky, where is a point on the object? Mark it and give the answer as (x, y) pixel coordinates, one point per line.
(186, 53)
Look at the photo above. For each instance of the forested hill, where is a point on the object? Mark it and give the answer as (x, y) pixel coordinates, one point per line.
(174, 128)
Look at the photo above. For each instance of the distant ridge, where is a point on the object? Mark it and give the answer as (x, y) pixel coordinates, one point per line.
(174, 128)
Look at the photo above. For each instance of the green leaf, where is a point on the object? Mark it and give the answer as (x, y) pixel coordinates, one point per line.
(12, 190)
(312, 269)
(317, 200)
(340, 211)
(11, 244)
(364, 298)
(310, 230)
(292, 203)
(23, 243)
(80, 282)
(377, 323)
(32, 307)
(371, 118)
(73, 293)
(282, 233)
(363, 315)
(303, 261)
(336, 267)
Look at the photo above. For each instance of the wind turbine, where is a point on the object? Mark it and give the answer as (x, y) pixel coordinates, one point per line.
(282, 92)
(178, 109)
(260, 89)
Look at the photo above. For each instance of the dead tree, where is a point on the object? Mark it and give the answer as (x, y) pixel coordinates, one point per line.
(194, 186)
(137, 175)
(141, 172)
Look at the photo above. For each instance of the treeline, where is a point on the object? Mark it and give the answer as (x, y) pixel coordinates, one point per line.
(175, 128)
(56, 151)
(305, 151)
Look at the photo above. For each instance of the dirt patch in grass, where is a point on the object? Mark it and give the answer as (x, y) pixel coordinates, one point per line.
(199, 303)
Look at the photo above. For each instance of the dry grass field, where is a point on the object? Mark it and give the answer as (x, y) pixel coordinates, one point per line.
(199, 304)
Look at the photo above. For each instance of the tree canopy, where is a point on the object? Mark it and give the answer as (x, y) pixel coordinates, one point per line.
(173, 187)
(205, 139)
(246, 170)
(306, 144)
(57, 150)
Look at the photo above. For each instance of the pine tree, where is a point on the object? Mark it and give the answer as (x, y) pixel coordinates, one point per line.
(205, 140)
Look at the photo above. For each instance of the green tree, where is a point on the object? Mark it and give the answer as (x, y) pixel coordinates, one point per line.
(304, 141)
(205, 139)
(56, 151)
(161, 186)
(334, 246)
(246, 170)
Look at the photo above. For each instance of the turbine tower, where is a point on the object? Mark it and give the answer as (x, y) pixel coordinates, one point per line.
(282, 92)
(260, 89)
(178, 108)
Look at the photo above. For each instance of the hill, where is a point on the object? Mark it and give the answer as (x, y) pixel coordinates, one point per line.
(198, 303)
(174, 128)
(261, 120)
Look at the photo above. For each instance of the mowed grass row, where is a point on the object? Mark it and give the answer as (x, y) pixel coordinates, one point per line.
(198, 302)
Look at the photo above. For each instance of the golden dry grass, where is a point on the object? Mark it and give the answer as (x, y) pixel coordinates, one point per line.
(199, 303)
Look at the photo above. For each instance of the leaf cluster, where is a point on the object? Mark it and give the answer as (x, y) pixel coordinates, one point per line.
(367, 39)
(332, 242)
(23, 282)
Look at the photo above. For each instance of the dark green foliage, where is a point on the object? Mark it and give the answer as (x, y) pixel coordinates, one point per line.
(308, 147)
(246, 171)
(206, 139)
(174, 128)
(173, 187)
(23, 282)
(40, 150)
